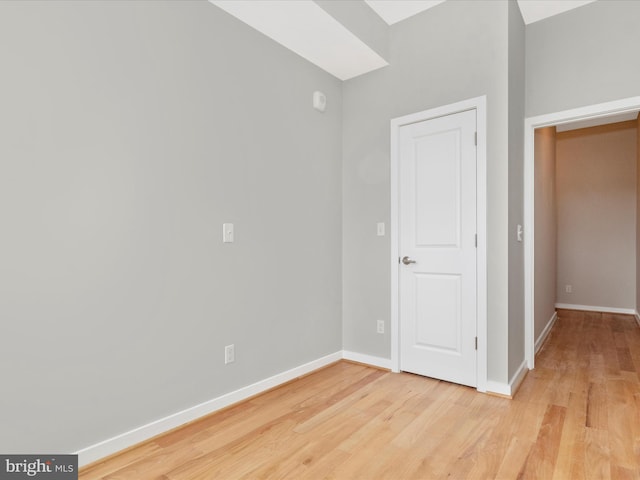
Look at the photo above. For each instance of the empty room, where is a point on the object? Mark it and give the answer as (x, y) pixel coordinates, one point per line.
(318, 239)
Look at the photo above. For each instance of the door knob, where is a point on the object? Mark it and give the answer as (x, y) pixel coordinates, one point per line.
(407, 260)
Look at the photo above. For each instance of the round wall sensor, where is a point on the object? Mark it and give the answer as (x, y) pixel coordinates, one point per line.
(319, 101)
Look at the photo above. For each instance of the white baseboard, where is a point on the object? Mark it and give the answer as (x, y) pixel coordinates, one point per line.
(589, 308)
(518, 377)
(498, 388)
(125, 440)
(545, 333)
(367, 359)
(637, 315)
(508, 390)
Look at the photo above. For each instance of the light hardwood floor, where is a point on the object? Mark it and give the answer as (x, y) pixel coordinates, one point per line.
(577, 415)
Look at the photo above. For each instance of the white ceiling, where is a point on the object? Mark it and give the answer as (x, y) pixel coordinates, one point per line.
(305, 28)
(534, 10)
(393, 11)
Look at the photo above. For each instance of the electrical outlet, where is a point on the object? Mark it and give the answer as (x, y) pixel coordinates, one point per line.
(229, 354)
(380, 326)
(568, 288)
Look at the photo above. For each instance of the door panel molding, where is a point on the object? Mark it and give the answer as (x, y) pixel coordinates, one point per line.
(437, 226)
(479, 105)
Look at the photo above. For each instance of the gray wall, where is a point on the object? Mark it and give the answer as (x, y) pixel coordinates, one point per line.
(582, 57)
(545, 242)
(516, 186)
(454, 51)
(596, 200)
(131, 132)
(638, 215)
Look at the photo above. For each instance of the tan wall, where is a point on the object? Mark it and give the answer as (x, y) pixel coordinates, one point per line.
(596, 199)
(545, 228)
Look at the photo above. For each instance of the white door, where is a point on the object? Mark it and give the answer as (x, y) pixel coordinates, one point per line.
(437, 240)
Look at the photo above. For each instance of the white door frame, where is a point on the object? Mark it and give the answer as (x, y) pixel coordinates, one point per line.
(530, 124)
(480, 105)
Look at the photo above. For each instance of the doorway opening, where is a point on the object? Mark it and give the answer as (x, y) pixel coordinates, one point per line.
(600, 114)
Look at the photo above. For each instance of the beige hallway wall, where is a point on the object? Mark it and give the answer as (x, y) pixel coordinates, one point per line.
(637, 214)
(545, 228)
(596, 195)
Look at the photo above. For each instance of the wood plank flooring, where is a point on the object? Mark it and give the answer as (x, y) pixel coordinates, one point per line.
(577, 415)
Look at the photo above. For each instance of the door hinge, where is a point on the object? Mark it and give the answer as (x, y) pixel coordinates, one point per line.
(476, 240)
(476, 343)
(475, 138)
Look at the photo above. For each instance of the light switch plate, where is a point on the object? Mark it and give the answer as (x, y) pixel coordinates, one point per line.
(380, 230)
(227, 232)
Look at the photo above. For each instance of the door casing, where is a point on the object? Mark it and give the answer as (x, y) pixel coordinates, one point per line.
(478, 104)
